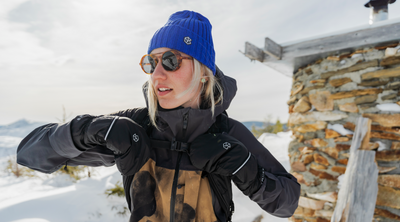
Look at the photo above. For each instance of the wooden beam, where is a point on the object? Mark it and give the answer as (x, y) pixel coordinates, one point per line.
(254, 53)
(272, 48)
(288, 58)
(358, 193)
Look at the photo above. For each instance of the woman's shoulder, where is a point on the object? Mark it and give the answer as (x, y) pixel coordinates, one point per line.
(139, 112)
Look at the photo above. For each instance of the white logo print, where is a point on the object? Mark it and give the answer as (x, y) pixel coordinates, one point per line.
(226, 145)
(135, 137)
(187, 40)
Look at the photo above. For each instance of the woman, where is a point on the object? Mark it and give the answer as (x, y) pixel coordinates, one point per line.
(179, 167)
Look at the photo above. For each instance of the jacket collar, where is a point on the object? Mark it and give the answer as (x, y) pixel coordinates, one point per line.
(199, 120)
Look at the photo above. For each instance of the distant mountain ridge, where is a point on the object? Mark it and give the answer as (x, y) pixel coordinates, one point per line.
(20, 128)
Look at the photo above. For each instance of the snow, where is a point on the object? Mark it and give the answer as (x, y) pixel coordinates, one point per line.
(56, 198)
(340, 129)
(393, 107)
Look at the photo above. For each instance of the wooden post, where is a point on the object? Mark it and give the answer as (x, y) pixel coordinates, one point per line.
(359, 189)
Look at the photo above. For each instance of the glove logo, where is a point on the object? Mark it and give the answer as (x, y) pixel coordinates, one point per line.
(135, 138)
(226, 145)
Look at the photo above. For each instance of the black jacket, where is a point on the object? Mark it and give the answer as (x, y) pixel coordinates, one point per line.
(51, 146)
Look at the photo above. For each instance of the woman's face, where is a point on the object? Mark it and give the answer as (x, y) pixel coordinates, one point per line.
(170, 86)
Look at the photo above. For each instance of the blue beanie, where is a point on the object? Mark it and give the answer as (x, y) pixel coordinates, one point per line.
(188, 32)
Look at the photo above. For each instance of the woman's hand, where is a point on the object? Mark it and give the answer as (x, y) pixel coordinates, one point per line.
(222, 154)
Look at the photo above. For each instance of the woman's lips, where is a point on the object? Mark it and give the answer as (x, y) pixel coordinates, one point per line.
(162, 91)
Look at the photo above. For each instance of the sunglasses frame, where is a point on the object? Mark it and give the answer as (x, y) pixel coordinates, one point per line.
(177, 54)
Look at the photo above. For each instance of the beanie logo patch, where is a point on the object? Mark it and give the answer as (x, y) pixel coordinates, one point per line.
(187, 40)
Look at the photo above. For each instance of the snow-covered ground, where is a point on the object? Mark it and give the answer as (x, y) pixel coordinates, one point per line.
(55, 198)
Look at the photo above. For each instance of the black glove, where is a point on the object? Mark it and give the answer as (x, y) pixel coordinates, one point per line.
(116, 133)
(222, 154)
(125, 138)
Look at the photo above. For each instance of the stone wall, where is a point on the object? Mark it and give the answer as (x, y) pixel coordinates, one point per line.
(326, 100)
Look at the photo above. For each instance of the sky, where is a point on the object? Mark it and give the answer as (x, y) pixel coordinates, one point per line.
(84, 54)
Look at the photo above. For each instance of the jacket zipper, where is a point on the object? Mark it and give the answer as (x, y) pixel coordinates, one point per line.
(176, 174)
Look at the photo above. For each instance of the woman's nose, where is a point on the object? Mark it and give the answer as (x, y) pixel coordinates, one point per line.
(159, 72)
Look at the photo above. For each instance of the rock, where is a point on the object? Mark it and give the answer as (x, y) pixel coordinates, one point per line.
(373, 146)
(388, 197)
(327, 176)
(393, 85)
(389, 181)
(369, 106)
(341, 139)
(388, 120)
(373, 82)
(339, 82)
(385, 169)
(315, 172)
(308, 159)
(300, 178)
(357, 92)
(298, 166)
(308, 212)
(390, 61)
(343, 161)
(395, 146)
(291, 100)
(323, 213)
(365, 99)
(389, 97)
(303, 105)
(311, 203)
(382, 135)
(342, 147)
(308, 71)
(293, 219)
(296, 89)
(317, 142)
(322, 101)
(308, 89)
(328, 196)
(348, 107)
(315, 166)
(339, 169)
(395, 130)
(329, 133)
(297, 118)
(319, 125)
(318, 81)
(331, 151)
(320, 159)
(349, 126)
(299, 212)
(384, 73)
(387, 155)
(291, 109)
(386, 214)
(307, 150)
(356, 67)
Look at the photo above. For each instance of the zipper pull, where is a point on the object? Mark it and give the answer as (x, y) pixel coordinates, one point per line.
(185, 121)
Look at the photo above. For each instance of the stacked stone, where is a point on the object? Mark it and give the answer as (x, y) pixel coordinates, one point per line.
(326, 100)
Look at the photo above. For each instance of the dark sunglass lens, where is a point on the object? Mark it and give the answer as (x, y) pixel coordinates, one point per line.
(148, 64)
(169, 61)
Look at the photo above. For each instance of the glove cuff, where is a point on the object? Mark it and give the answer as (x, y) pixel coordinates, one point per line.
(250, 177)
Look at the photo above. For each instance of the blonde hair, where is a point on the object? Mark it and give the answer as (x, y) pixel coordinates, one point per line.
(211, 92)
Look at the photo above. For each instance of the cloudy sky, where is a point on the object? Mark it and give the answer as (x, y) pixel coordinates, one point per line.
(84, 54)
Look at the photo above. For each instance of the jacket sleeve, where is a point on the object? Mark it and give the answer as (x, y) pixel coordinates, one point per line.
(49, 147)
(280, 192)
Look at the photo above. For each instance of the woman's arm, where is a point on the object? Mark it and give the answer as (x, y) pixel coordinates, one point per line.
(49, 147)
(279, 193)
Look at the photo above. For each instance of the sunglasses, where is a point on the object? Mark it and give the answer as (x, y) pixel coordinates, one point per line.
(170, 60)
